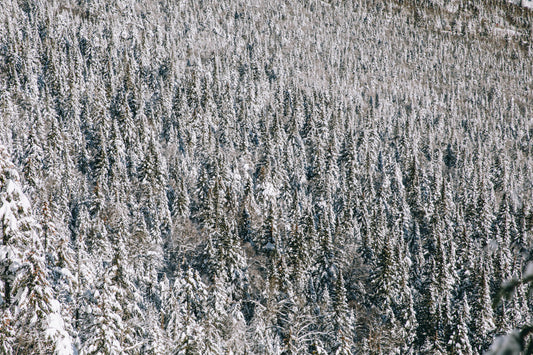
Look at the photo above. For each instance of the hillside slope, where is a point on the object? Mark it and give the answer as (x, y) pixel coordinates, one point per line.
(272, 177)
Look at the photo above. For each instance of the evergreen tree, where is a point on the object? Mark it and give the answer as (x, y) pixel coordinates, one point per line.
(482, 313)
(32, 320)
(185, 309)
(343, 320)
(459, 342)
(103, 327)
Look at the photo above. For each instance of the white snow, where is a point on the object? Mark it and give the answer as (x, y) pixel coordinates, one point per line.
(493, 245)
(527, 3)
(507, 344)
(270, 190)
(11, 187)
(529, 270)
(8, 219)
(21, 296)
(56, 331)
(524, 3)
(269, 246)
(506, 32)
(452, 7)
(24, 202)
(13, 201)
(7, 252)
(65, 272)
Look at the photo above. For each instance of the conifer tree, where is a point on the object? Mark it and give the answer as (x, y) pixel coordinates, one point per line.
(31, 320)
(185, 308)
(343, 320)
(459, 342)
(482, 313)
(103, 327)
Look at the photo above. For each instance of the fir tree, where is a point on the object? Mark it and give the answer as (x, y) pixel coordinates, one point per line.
(32, 320)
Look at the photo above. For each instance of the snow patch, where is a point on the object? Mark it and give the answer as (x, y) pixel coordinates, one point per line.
(529, 270)
(56, 330)
(527, 3)
(506, 32)
(507, 344)
(270, 190)
(24, 202)
(269, 246)
(7, 218)
(493, 245)
(523, 3)
(452, 7)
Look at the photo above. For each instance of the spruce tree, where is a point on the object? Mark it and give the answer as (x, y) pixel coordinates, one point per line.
(32, 319)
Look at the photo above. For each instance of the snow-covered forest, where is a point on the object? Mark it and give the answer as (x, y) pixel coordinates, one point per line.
(264, 177)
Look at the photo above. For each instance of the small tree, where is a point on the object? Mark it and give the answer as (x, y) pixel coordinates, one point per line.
(520, 340)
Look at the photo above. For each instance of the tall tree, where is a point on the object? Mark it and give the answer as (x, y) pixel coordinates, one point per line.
(31, 320)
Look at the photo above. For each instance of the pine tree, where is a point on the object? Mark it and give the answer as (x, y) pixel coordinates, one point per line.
(385, 290)
(232, 259)
(484, 217)
(459, 342)
(185, 309)
(298, 252)
(217, 321)
(32, 320)
(262, 337)
(34, 157)
(505, 231)
(343, 320)
(482, 313)
(102, 326)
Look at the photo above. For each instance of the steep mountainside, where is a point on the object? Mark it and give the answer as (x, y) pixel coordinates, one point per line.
(264, 177)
